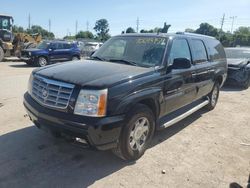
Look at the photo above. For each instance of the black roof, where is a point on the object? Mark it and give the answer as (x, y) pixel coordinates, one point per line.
(167, 35)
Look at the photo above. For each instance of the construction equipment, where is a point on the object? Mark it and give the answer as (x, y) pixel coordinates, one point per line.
(11, 43)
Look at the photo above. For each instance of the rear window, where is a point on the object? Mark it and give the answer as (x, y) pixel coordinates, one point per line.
(67, 46)
(215, 50)
(198, 51)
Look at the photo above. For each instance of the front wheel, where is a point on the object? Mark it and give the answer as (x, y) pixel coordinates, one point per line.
(213, 96)
(136, 134)
(42, 61)
(1, 54)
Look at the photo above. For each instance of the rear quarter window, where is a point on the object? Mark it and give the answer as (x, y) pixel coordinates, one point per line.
(215, 50)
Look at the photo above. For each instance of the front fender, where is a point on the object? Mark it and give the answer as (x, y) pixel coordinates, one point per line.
(153, 94)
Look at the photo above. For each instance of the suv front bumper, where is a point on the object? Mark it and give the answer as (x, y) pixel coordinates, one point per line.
(101, 133)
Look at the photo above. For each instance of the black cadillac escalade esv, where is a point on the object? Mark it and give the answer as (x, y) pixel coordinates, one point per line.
(133, 85)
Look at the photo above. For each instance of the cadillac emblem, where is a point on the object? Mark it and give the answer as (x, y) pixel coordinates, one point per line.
(45, 93)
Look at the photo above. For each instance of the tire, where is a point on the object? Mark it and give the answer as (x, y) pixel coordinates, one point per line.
(213, 96)
(247, 83)
(136, 134)
(42, 61)
(75, 58)
(29, 63)
(1, 54)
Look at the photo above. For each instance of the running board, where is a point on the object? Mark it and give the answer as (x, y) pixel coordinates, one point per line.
(184, 115)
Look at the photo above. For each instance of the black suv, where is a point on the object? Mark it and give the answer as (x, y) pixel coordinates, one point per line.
(48, 52)
(133, 85)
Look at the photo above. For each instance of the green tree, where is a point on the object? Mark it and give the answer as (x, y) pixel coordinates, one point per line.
(84, 35)
(130, 30)
(188, 30)
(102, 29)
(38, 29)
(207, 29)
(18, 29)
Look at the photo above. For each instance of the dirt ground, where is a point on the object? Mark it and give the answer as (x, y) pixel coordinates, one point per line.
(207, 149)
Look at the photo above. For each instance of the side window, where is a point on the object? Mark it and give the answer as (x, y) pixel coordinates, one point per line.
(198, 51)
(215, 49)
(179, 49)
(60, 46)
(53, 46)
(67, 46)
(116, 49)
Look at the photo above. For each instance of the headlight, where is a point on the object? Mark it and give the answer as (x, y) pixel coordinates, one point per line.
(91, 103)
(29, 53)
(30, 84)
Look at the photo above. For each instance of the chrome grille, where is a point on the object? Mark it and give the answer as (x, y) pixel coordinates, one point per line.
(51, 93)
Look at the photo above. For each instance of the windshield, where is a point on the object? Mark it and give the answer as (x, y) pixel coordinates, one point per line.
(43, 45)
(5, 23)
(237, 53)
(140, 51)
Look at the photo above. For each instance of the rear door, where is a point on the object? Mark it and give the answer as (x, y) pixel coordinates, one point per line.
(203, 68)
(179, 88)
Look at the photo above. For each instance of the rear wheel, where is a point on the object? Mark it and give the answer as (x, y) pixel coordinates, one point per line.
(247, 83)
(42, 61)
(213, 96)
(75, 58)
(1, 54)
(136, 134)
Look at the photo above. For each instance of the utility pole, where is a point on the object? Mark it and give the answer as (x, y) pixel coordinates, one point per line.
(49, 25)
(87, 24)
(29, 21)
(137, 25)
(76, 26)
(232, 26)
(221, 26)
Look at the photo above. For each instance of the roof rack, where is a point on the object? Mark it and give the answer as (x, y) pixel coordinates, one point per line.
(193, 34)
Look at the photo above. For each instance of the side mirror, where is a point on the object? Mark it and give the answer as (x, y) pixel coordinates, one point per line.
(51, 49)
(181, 63)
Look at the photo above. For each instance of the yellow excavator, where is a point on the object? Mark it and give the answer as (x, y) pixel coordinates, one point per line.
(11, 43)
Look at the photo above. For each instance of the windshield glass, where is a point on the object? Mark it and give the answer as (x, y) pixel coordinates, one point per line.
(140, 51)
(43, 45)
(237, 53)
(5, 23)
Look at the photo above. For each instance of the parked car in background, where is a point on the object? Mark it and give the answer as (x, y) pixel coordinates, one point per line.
(89, 48)
(48, 52)
(238, 60)
(133, 85)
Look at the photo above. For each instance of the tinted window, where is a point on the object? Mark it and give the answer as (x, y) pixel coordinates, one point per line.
(198, 51)
(67, 46)
(60, 46)
(180, 49)
(215, 49)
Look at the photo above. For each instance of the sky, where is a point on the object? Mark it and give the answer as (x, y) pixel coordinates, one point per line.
(181, 14)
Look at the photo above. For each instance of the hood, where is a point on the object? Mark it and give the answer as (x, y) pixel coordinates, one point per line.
(91, 73)
(237, 62)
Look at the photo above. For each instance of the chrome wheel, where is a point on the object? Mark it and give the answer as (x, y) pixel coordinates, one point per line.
(214, 96)
(42, 61)
(139, 133)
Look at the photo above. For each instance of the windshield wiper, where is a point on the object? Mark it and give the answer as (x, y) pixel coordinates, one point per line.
(123, 61)
(98, 58)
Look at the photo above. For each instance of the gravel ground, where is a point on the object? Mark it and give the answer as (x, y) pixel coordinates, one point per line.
(207, 149)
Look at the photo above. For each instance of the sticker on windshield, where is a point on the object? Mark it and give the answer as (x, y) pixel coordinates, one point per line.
(151, 40)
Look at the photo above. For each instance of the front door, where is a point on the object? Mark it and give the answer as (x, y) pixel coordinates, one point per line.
(179, 89)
